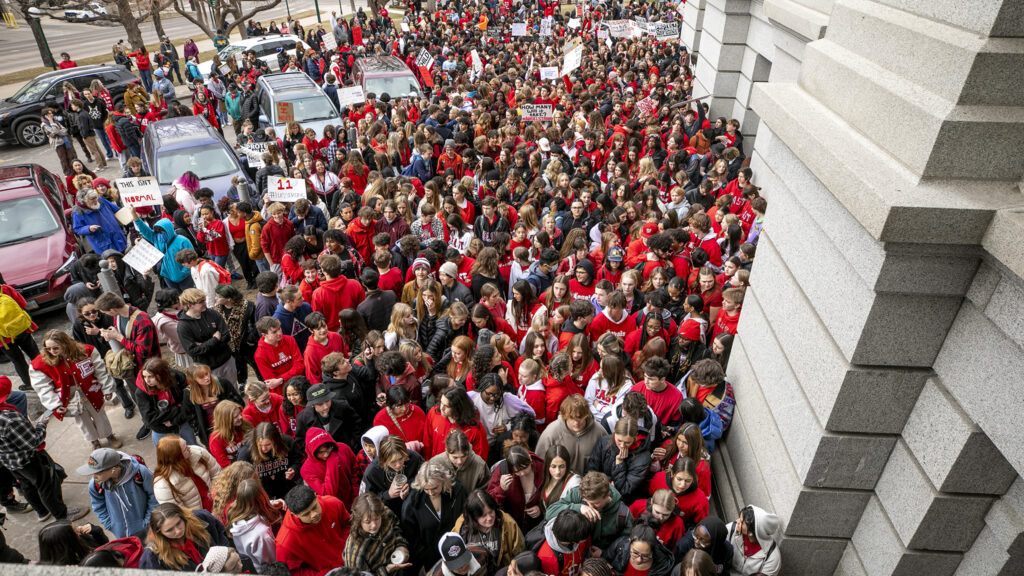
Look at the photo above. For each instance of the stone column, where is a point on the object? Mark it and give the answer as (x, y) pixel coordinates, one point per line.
(879, 370)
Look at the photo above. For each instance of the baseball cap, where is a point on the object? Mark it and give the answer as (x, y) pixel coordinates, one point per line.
(450, 269)
(454, 552)
(615, 254)
(544, 144)
(318, 394)
(650, 229)
(101, 459)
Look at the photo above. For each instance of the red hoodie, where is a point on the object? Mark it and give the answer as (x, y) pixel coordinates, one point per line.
(281, 361)
(362, 237)
(335, 295)
(314, 549)
(693, 505)
(254, 416)
(331, 477)
(315, 353)
(273, 238)
(436, 429)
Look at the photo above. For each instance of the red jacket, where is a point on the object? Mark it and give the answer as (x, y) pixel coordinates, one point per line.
(281, 361)
(331, 477)
(314, 549)
(223, 452)
(514, 499)
(274, 237)
(67, 375)
(335, 295)
(570, 564)
(409, 427)
(362, 237)
(693, 505)
(255, 417)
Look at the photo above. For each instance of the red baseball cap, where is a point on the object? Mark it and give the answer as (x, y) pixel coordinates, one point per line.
(650, 229)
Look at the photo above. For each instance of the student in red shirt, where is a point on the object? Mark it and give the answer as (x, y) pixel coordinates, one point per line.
(681, 479)
(662, 397)
(277, 355)
(729, 316)
(615, 318)
(263, 406)
(661, 512)
(336, 293)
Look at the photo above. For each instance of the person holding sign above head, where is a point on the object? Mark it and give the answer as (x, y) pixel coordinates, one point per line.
(93, 219)
(275, 234)
(164, 239)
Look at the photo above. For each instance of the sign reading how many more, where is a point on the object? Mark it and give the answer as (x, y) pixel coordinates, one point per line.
(285, 189)
(143, 256)
(140, 191)
(534, 112)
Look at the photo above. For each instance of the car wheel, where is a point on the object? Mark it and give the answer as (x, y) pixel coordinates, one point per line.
(30, 133)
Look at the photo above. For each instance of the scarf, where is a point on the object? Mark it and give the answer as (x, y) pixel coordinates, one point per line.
(190, 550)
(235, 318)
(204, 490)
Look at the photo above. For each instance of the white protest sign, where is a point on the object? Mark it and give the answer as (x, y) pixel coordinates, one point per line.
(140, 191)
(608, 42)
(424, 59)
(478, 64)
(647, 105)
(572, 60)
(405, 27)
(571, 44)
(254, 152)
(224, 69)
(618, 28)
(519, 28)
(285, 189)
(602, 34)
(351, 95)
(574, 22)
(330, 42)
(533, 112)
(549, 73)
(545, 27)
(143, 256)
(666, 31)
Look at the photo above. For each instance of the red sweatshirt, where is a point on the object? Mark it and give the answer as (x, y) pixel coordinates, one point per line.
(693, 506)
(281, 361)
(315, 352)
(335, 295)
(726, 323)
(273, 238)
(604, 322)
(254, 416)
(436, 429)
(314, 549)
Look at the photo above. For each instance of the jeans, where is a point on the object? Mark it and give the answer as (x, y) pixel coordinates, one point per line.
(180, 286)
(22, 346)
(101, 135)
(18, 399)
(147, 79)
(175, 71)
(261, 265)
(40, 484)
(135, 152)
(185, 431)
(221, 260)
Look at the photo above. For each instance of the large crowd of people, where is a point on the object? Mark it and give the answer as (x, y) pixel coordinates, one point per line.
(480, 345)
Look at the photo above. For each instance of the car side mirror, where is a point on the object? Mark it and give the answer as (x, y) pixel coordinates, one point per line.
(264, 121)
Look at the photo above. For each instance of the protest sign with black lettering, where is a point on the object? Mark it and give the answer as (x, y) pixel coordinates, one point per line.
(534, 112)
(549, 73)
(351, 95)
(424, 58)
(143, 256)
(140, 191)
(519, 28)
(666, 31)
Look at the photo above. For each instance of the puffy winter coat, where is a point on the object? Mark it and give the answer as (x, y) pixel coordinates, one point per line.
(109, 236)
(180, 489)
(629, 476)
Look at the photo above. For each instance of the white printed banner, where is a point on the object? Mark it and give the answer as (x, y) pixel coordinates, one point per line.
(143, 256)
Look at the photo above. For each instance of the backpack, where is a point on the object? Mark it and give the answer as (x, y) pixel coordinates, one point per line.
(223, 276)
(121, 364)
(130, 547)
(14, 320)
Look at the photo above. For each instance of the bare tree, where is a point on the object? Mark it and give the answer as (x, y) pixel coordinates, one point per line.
(117, 12)
(227, 14)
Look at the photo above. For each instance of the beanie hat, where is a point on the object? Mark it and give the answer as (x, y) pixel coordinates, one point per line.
(421, 263)
(215, 559)
(691, 330)
(98, 181)
(450, 269)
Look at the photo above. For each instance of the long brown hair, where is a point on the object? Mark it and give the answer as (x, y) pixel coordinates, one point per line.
(266, 431)
(192, 374)
(170, 459)
(251, 500)
(366, 505)
(224, 421)
(73, 351)
(170, 554)
(161, 371)
(227, 482)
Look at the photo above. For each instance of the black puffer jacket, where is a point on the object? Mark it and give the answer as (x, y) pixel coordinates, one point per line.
(426, 330)
(342, 422)
(378, 481)
(628, 477)
(156, 412)
(618, 556)
(358, 389)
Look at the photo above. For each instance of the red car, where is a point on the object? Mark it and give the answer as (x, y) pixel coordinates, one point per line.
(37, 244)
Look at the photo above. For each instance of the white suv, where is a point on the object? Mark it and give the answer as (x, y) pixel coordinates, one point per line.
(265, 48)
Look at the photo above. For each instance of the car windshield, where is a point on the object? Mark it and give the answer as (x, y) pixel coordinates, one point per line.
(24, 219)
(30, 92)
(394, 86)
(312, 109)
(207, 161)
(230, 51)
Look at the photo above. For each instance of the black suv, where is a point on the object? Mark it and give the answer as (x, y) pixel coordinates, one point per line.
(20, 114)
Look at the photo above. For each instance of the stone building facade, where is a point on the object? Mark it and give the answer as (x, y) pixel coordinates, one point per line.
(879, 372)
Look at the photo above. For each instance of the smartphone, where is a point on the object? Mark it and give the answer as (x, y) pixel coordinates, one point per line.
(46, 416)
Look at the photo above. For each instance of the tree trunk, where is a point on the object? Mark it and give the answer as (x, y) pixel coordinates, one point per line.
(130, 23)
(44, 48)
(155, 7)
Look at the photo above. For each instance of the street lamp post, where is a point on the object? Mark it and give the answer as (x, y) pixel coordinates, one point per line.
(316, 6)
(288, 8)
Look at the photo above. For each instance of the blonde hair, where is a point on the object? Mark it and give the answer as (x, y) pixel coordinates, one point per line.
(433, 472)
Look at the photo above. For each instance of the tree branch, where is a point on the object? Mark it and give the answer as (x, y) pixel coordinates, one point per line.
(180, 10)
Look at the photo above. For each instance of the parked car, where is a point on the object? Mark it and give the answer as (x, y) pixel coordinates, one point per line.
(386, 75)
(37, 241)
(265, 47)
(310, 106)
(21, 114)
(93, 10)
(177, 145)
